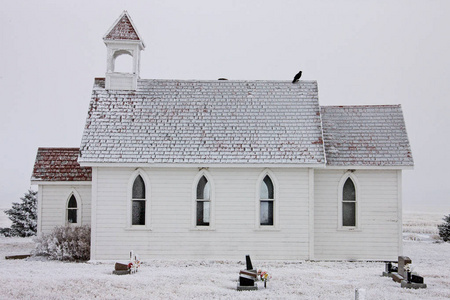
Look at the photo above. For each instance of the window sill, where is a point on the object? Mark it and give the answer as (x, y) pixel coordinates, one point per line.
(350, 229)
(267, 228)
(143, 228)
(202, 228)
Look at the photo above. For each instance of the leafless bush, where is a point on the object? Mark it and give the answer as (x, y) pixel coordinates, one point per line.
(65, 243)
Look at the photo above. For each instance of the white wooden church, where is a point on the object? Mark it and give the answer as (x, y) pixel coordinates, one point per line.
(216, 169)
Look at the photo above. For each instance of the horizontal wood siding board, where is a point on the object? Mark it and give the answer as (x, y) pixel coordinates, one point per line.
(54, 200)
(171, 202)
(377, 236)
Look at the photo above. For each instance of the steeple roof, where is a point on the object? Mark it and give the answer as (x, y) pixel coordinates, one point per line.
(123, 29)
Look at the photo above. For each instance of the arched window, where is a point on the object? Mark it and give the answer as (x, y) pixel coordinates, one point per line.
(138, 202)
(266, 196)
(72, 210)
(203, 202)
(349, 203)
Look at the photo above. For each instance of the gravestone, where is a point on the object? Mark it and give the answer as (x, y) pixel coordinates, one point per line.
(402, 262)
(403, 276)
(389, 269)
(247, 277)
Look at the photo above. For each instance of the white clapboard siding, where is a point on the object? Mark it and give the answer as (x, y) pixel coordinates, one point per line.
(54, 201)
(235, 232)
(378, 234)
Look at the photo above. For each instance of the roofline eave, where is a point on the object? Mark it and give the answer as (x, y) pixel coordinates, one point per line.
(202, 165)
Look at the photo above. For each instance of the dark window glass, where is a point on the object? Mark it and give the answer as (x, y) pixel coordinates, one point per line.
(349, 191)
(138, 214)
(266, 217)
(349, 204)
(72, 215)
(203, 213)
(348, 213)
(72, 210)
(203, 193)
(203, 189)
(72, 202)
(138, 188)
(266, 188)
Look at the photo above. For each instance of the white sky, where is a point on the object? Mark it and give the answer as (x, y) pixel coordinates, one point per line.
(360, 52)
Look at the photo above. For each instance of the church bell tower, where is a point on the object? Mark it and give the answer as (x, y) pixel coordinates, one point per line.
(123, 39)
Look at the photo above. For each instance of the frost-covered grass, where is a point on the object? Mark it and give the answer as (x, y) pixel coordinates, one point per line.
(186, 279)
(421, 226)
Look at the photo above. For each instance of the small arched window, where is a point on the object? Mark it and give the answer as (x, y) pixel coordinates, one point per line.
(349, 203)
(203, 202)
(266, 201)
(138, 202)
(72, 210)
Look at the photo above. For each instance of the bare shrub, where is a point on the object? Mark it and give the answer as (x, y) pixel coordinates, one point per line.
(65, 243)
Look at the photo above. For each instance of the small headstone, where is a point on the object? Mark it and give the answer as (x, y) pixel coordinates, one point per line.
(389, 269)
(247, 277)
(120, 267)
(402, 262)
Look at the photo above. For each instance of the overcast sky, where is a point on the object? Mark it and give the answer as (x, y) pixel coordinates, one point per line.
(360, 52)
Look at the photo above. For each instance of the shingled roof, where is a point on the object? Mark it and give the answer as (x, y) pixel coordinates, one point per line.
(205, 122)
(123, 29)
(372, 135)
(59, 164)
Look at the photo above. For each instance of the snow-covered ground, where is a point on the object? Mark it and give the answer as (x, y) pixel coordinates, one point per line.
(184, 279)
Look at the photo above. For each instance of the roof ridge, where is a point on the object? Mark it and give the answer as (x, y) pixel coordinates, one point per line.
(222, 81)
(59, 148)
(362, 105)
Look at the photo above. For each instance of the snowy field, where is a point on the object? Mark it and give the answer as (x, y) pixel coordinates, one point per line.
(162, 279)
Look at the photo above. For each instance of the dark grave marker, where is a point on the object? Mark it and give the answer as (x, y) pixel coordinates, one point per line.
(247, 277)
(403, 275)
(416, 279)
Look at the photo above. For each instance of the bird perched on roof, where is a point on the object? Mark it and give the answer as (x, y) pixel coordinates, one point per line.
(297, 77)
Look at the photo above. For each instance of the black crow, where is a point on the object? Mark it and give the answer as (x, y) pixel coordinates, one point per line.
(297, 77)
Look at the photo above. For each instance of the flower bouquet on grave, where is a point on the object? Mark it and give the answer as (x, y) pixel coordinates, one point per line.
(264, 276)
(135, 263)
(409, 270)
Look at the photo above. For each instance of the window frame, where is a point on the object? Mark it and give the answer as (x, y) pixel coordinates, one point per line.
(77, 197)
(130, 199)
(203, 173)
(275, 201)
(341, 201)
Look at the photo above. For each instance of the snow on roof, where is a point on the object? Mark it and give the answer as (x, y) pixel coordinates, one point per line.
(59, 164)
(123, 29)
(372, 135)
(205, 122)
